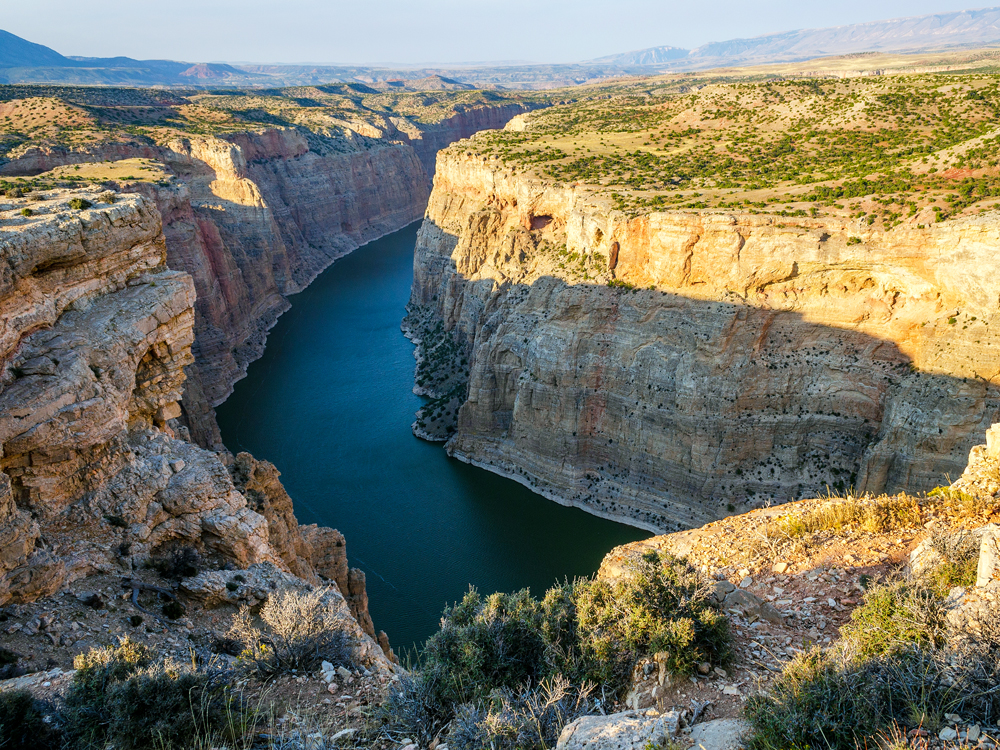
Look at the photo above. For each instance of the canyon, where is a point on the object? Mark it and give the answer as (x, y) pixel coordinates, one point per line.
(256, 215)
(666, 368)
(130, 308)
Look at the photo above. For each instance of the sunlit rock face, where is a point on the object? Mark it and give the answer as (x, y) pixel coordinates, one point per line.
(726, 359)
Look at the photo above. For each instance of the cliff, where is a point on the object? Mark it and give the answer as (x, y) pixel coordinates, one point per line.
(94, 476)
(661, 366)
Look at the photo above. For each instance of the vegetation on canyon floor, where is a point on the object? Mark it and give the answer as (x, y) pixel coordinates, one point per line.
(876, 149)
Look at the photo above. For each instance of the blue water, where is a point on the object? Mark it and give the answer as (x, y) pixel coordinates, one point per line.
(330, 404)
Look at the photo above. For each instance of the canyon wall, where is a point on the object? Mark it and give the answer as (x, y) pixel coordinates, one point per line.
(95, 334)
(664, 369)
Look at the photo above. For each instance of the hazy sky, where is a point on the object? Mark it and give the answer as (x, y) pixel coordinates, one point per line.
(419, 31)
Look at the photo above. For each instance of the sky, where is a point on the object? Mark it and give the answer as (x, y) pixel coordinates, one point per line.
(419, 31)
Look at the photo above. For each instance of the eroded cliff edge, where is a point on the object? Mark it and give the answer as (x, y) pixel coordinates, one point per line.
(660, 367)
(95, 334)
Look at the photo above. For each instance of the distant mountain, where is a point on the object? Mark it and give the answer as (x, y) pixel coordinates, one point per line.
(651, 56)
(16, 52)
(962, 28)
(213, 71)
(22, 61)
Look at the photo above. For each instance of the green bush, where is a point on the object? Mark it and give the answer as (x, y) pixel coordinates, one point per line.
(959, 562)
(490, 650)
(27, 212)
(123, 696)
(526, 719)
(79, 203)
(661, 605)
(23, 725)
(896, 616)
(810, 705)
(897, 667)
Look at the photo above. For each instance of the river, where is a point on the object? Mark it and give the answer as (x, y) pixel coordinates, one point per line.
(330, 403)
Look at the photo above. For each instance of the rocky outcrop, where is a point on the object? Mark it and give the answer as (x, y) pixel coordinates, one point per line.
(95, 476)
(726, 359)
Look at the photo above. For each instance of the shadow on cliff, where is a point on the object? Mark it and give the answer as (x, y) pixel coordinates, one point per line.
(661, 409)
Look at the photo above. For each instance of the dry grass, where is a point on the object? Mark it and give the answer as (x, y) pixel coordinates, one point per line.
(875, 515)
(145, 170)
(300, 631)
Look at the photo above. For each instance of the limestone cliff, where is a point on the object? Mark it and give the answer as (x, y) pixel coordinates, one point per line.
(657, 367)
(94, 474)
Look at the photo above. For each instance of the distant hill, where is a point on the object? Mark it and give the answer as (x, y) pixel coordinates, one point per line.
(962, 28)
(651, 56)
(22, 61)
(16, 52)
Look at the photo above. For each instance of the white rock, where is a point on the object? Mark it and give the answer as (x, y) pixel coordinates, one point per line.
(721, 734)
(628, 730)
(947, 734)
(989, 556)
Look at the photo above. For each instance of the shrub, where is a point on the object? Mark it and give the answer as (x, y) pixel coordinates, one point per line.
(662, 604)
(486, 644)
(27, 212)
(301, 630)
(182, 562)
(964, 504)
(173, 610)
(123, 696)
(413, 709)
(23, 725)
(895, 616)
(871, 514)
(526, 719)
(810, 705)
(108, 196)
(79, 204)
(894, 669)
(9, 666)
(499, 659)
(959, 560)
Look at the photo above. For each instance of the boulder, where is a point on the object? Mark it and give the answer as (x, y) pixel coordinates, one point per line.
(721, 734)
(989, 555)
(628, 730)
(751, 606)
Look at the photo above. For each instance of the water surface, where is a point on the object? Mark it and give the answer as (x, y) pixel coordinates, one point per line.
(331, 403)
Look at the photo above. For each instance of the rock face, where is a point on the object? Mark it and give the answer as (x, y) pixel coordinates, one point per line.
(94, 473)
(725, 359)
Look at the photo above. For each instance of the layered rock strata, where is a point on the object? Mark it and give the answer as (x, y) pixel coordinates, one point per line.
(95, 476)
(657, 368)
